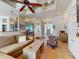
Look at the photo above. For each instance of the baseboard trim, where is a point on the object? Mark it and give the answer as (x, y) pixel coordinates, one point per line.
(72, 55)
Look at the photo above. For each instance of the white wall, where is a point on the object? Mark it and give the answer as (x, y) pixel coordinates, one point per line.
(71, 22)
(58, 21)
(5, 11)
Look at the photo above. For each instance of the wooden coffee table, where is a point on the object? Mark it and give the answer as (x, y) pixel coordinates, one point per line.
(34, 50)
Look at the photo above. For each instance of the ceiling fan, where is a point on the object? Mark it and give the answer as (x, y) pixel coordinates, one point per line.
(29, 5)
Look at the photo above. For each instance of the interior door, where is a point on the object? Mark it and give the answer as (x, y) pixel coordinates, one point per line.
(48, 31)
(4, 28)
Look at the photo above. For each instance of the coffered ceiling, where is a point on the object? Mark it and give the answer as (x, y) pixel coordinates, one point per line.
(60, 8)
(10, 2)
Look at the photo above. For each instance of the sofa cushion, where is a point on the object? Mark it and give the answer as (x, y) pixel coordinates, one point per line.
(14, 47)
(21, 39)
(4, 56)
(11, 48)
(25, 43)
(4, 41)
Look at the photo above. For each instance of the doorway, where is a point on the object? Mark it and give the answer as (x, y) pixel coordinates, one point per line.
(4, 28)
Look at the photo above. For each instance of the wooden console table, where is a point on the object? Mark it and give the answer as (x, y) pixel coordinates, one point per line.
(34, 50)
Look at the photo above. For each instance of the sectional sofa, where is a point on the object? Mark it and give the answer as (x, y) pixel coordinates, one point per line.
(11, 46)
(5, 56)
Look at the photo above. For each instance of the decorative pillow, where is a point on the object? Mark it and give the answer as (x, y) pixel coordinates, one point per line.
(21, 38)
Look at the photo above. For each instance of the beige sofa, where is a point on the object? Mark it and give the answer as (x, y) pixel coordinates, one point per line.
(10, 45)
(5, 56)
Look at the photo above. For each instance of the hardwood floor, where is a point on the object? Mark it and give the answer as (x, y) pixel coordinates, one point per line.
(61, 52)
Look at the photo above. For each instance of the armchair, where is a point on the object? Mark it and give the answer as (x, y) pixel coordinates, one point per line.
(53, 41)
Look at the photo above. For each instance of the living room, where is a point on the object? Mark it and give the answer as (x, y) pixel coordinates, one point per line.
(49, 33)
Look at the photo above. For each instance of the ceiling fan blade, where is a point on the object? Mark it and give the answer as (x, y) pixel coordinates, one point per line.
(19, 2)
(26, 0)
(22, 8)
(36, 4)
(31, 9)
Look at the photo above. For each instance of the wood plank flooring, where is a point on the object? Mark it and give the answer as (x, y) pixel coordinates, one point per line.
(61, 52)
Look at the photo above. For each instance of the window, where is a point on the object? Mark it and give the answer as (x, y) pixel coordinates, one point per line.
(4, 20)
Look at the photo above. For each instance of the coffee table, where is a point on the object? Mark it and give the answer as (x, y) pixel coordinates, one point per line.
(34, 50)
